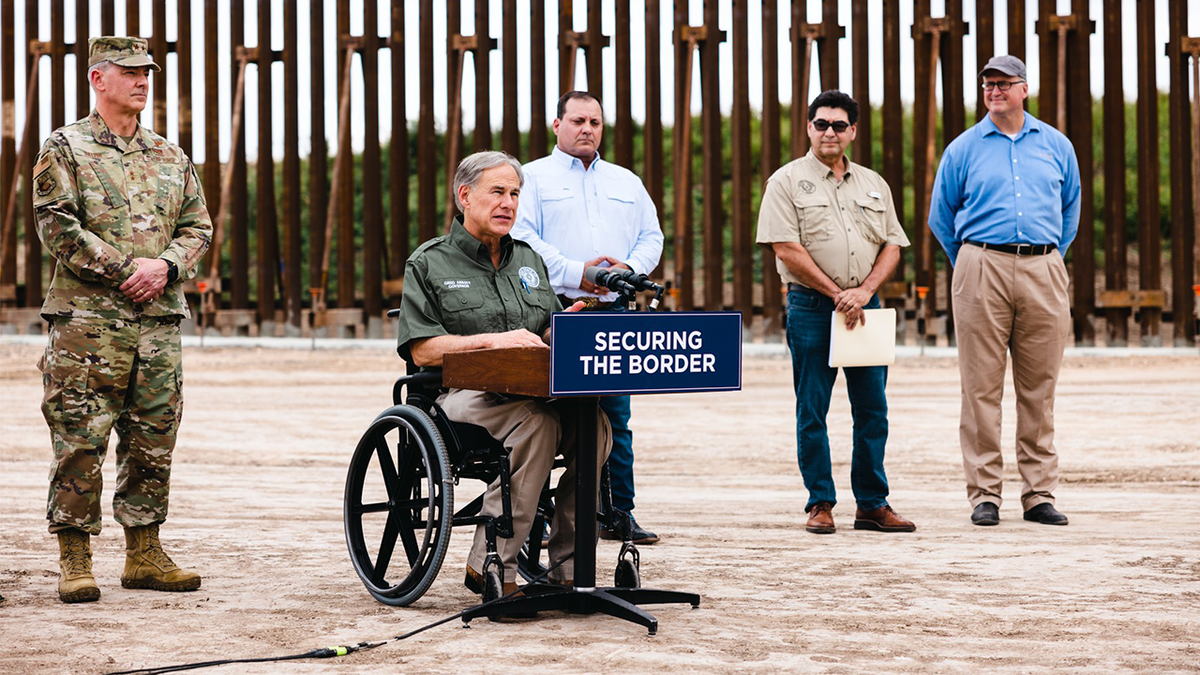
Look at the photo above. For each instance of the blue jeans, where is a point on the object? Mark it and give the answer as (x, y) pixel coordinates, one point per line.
(809, 314)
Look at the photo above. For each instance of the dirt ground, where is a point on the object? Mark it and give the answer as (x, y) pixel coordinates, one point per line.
(257, 505)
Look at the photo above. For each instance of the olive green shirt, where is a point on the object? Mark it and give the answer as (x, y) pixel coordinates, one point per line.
(843, 226)
(452, 288)
(100, 203)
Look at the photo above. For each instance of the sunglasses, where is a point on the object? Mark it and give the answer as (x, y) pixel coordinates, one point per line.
(823, 125)
(1002, 86)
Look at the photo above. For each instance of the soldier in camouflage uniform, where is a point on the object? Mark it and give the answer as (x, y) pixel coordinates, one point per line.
(121, 210)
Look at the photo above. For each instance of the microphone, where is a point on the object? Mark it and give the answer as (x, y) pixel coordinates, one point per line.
(620, 280)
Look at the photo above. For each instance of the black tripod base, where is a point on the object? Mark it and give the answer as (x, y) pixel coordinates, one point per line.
(621, 603)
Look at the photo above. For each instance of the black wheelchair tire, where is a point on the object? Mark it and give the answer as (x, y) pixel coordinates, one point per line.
(419, 506)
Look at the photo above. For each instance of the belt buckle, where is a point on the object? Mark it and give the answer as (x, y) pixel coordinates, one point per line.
(1024, 249)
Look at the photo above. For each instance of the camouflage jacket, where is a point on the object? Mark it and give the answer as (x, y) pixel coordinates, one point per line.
(100, 206)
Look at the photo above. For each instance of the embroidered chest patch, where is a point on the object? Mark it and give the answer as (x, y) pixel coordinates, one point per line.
(807, 187)
(530, 277)
(457, 284)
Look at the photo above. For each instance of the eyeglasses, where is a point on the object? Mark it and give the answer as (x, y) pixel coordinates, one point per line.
(1002, 86)
(823, 125)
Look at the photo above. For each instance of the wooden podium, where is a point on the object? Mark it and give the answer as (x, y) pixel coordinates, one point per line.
(525, 371)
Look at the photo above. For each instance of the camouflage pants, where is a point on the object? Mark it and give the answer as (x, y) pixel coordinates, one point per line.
(101, 373)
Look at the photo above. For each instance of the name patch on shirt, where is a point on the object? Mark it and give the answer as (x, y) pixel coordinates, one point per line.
(457, 284)
(530, 277)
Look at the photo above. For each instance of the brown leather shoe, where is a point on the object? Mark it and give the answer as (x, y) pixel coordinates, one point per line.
(474, 581)
(820, 519)
(882, 519)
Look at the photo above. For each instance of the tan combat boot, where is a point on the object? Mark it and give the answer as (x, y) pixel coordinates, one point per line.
(147, 566)
(75, 580)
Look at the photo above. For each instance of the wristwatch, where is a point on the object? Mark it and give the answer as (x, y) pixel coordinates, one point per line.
(172, 271)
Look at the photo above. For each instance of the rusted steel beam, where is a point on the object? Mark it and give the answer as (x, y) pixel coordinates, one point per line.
(1149, 236)
(398, 185)
(1192, 46)
(318, 159)
(538, 135)
(686, 38)
(1017, 29)
(743, 230)
(510, 139)
(985, 46)
(267, 223)
(374, 243)
(239, 238)
(568, 45)
(892, 140)
(183, 50)
(954, 122)
(1049, 55)
(158, 49)
(1183, 158)
(8, 226)
(213, 282)
(1116, 263)
(928, 35)
(340, 190)
(58, 62)
(595, 42)
(426, 159)
(711, 179)
(33, 246)
(652, 136)
(133, 17)
(484, 44)
(1078, 93)
(860, 77)
(828, 49)
(343, 175)
(454, 137)
(292, 195)
(770, 158)
(8, 143)
(108, 18)
(211, 171)
(80, 49)
(623, 136)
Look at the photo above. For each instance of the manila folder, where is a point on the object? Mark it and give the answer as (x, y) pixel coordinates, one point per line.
(870, 344)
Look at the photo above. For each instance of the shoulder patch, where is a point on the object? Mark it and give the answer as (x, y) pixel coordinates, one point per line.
(45, 183)
(44, 163)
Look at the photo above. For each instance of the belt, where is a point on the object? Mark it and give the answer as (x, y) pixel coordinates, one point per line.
(799, 288)
(1019, 249)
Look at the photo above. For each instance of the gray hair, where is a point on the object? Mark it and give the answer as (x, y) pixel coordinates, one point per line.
(99, 65)
(471, 168)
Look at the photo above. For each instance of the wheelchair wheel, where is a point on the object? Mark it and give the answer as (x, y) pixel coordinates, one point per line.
(398, 491)
(627, 574)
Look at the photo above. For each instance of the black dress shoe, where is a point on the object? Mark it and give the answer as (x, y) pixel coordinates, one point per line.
(638, 535)
(987, 513)
(1046, 514)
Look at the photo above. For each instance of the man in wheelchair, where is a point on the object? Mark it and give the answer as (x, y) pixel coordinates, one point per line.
(478, 288)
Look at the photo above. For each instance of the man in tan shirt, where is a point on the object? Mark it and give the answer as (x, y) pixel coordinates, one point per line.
(834, 231)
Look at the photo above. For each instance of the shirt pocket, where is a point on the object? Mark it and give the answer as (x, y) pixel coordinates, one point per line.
(461, 313)
(536, 304)
(815, 215)
(872, 215)
(100, 189)
(168, 198)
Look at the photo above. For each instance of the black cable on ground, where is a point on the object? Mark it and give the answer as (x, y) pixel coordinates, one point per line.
(331, 652)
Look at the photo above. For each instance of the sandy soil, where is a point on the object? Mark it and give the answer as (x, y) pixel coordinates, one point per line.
(257, 499)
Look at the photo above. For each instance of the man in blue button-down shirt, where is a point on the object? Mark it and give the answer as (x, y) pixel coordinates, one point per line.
(1008, 188)
(579, 211)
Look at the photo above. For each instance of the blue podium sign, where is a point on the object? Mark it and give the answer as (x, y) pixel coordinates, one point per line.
(599, 353)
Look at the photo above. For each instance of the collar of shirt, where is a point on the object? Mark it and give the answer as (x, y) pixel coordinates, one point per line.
(824, 170)
(475, 249)
(987, 126)
(571, 162)
(105, 136)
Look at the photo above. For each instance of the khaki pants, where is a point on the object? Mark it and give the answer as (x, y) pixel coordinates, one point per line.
(1019, 305)
(532, 431)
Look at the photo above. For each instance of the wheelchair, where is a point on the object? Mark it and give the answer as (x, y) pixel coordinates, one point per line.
(398, 509)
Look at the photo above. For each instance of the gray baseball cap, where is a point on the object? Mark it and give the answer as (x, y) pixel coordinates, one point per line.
(1005, 65)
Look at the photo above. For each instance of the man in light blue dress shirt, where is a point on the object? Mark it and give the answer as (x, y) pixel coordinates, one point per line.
(1005, 207)
(579, 211)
